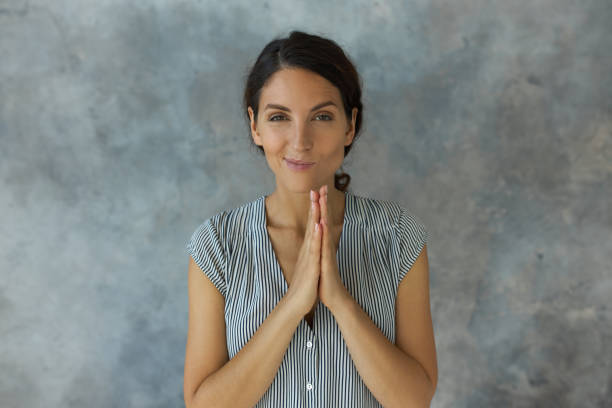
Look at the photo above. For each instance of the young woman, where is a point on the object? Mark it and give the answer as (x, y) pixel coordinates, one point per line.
(311, 295)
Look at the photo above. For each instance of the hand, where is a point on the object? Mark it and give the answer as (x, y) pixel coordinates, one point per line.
(331, 288)
(304, 282)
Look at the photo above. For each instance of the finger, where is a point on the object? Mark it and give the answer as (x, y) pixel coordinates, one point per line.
(325, 217)
(325, 237)
(309, 219)
(326, 242)
(329, 209)
(313, 215)
(317, 207)
(326, 211)
(315, 241)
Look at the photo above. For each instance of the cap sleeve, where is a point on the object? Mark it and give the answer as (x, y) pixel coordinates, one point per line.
(208, 253)
(413, 236)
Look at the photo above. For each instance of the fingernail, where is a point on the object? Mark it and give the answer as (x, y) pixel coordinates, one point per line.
(317, 227)
(326, 188)
(313, 205)
(311, 195)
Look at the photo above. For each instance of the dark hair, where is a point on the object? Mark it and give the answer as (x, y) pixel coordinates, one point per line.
(319, 55)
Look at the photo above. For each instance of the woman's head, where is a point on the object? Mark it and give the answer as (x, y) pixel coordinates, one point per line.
(290, 77)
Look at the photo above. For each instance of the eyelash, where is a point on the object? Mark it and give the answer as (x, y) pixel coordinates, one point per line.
(282, 116)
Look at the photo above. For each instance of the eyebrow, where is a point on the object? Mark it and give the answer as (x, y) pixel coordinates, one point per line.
(281, 107)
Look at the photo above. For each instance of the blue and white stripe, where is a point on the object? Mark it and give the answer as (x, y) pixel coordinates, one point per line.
(379, 243)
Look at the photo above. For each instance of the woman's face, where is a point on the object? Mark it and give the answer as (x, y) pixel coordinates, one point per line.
(295, 121)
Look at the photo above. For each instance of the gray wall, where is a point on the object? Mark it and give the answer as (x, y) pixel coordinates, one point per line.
(121, 131)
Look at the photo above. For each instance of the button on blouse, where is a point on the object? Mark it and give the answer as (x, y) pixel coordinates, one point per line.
(380, 241)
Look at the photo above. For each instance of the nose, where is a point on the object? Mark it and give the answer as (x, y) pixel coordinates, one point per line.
(301, 137)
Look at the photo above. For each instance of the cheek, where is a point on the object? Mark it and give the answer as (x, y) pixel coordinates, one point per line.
(328, 141)
(331, 147)
(274, 149)
(272, 143)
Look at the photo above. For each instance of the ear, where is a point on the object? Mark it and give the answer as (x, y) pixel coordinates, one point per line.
(350, 133)
(254, 134)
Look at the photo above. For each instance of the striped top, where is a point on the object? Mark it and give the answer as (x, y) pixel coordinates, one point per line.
(380, 241)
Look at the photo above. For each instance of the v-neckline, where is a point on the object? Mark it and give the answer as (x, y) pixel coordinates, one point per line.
(270, 248)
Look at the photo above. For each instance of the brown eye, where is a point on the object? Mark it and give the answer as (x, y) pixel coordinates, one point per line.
(324, 115)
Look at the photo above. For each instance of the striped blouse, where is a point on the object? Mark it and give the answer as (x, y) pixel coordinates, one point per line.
(380, 241)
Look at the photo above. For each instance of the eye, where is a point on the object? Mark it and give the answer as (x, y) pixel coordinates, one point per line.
(271, 119)
(324, 115)
(278, 118)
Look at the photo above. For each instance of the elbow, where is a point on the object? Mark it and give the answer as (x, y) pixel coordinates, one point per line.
(431, 391)
(433, 382)
(188, 397)
(193, 394)
(419, 400)
(416, 402)
(200, 398)
(430, 394)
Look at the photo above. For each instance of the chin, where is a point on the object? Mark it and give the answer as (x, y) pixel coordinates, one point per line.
(302, 187)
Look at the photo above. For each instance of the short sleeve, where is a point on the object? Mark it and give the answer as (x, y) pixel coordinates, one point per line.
(208, 253)
(413, 236)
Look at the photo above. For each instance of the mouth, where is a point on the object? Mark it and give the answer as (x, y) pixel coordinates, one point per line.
(298, 166)
(300, 162)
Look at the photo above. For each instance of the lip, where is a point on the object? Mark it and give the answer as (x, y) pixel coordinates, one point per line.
(298, 161)
(298, 167)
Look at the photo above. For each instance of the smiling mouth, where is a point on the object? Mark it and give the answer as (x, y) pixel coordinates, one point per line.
(298, 167)
(301, 162)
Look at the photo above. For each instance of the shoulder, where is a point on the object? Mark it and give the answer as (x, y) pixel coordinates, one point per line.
(376, 212)
(392, 216)
(230, 222)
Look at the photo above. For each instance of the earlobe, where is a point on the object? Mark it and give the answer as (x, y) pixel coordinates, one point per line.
(350, 133)
(349, 141)
(353, 119)
(254, 133)
(256, 137)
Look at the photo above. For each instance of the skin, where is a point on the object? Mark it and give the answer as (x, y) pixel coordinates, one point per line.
(400, 374)
(301, 134)
(305, 135)
(301, 128)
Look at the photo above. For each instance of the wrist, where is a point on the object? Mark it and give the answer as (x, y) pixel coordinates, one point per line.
(340, 301)
(292, 307)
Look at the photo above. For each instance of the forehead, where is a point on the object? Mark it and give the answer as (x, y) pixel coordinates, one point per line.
(296, 85)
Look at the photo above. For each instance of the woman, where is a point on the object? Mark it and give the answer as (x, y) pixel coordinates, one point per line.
(311, 295)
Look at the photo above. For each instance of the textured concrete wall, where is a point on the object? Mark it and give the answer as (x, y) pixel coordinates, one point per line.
(121, 130)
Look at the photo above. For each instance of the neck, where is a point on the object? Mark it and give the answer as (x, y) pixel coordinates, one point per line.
(289, 210)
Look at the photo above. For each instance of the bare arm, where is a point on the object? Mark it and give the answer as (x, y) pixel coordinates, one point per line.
(404, 374)
(213, 381)
(241, 381)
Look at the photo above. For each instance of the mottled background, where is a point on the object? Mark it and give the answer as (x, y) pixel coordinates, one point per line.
(121, 131)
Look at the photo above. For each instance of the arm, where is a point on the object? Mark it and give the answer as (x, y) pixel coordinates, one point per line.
(241, 381)
(402, 375)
